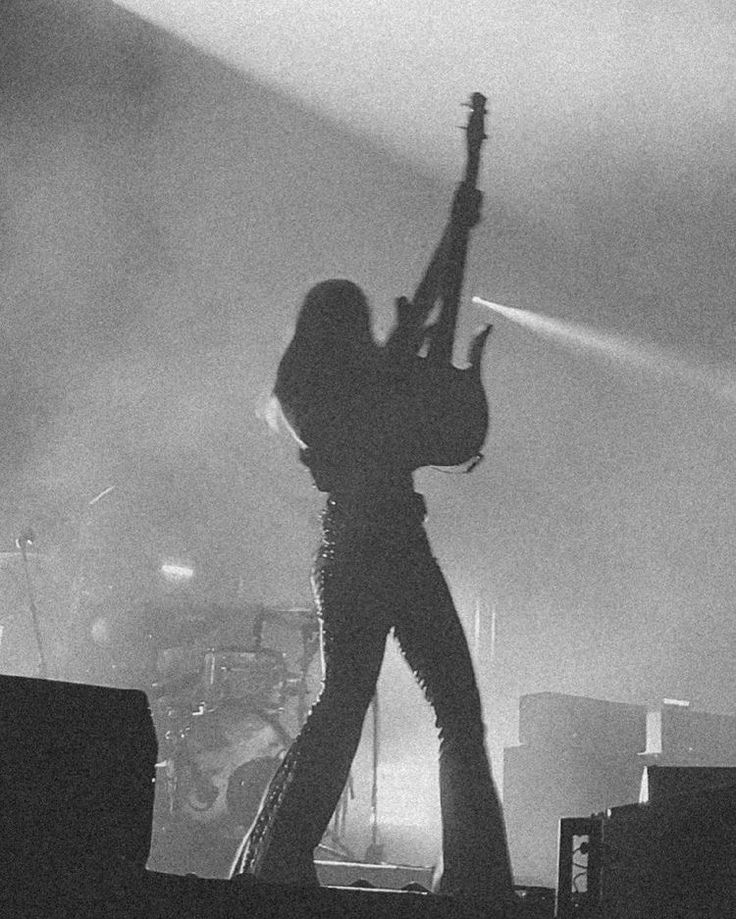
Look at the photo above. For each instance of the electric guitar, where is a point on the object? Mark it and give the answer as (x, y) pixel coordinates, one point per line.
(451, 402)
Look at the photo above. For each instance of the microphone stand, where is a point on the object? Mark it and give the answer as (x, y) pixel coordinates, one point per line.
(22, 542)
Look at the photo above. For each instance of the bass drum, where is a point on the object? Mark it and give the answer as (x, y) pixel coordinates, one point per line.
(216, 780)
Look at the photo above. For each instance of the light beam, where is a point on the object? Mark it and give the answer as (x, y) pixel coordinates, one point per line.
(619, 349)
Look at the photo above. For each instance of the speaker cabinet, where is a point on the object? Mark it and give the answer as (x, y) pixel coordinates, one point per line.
(77, 766)
(673, 858)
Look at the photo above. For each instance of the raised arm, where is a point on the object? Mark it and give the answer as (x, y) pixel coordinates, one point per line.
(410, 331)
(443, 278)
(429, 288)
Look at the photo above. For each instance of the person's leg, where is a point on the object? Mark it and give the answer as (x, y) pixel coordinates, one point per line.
(475, 851)
(302, 796)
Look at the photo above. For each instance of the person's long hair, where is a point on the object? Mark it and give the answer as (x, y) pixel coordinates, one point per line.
(331, 354)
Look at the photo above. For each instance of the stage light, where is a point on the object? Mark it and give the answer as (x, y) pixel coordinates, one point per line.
(176, 572)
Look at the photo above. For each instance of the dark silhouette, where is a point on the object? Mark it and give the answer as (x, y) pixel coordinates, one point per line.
(365, 417)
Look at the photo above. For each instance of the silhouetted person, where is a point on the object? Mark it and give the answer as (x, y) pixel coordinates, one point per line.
(360, 416)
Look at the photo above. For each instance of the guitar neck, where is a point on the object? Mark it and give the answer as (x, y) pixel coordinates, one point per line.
(476, 136)
(443, 338)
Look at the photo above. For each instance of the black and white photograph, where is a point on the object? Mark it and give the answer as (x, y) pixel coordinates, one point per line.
(367, 479)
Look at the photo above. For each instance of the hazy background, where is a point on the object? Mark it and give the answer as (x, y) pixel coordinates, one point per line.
(170, 191)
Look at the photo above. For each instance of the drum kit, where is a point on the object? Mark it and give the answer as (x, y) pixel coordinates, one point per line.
(225, 715)
(225, 711)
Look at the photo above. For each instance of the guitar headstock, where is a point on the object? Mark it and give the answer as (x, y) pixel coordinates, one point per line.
(476, 134)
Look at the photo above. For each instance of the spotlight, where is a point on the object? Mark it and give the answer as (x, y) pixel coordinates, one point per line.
(176, 572)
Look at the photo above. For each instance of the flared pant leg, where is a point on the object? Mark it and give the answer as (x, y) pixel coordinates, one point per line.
(427, 626)
(307, 786)
(364, 587)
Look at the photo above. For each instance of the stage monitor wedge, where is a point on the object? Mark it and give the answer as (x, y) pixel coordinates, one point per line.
(77, 766)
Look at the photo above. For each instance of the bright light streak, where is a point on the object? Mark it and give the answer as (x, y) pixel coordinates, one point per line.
(619, 349)
(176, 573)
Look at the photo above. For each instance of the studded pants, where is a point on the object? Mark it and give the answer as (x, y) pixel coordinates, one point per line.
(375, 571)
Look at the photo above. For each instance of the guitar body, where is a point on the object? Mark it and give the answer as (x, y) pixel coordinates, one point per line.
(453, 409)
